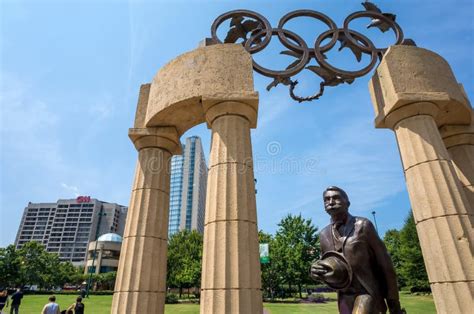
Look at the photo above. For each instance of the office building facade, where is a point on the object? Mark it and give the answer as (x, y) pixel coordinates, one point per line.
(67, 226)
(188, 188)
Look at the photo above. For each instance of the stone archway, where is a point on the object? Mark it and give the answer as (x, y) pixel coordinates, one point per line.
(211, 84)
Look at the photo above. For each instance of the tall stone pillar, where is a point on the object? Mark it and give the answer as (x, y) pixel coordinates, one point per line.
(141, 277)
(231, 267)
(459, 140)
(414, 93)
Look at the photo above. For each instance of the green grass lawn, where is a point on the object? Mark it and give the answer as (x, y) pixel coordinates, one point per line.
(32, 304)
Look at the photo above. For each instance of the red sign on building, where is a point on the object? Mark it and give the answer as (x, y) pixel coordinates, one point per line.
(83, 199)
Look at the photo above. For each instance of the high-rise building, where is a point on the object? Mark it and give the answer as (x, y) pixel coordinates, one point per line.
(188, 188)
(67, 226)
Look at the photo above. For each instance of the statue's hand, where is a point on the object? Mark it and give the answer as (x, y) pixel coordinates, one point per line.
(318, 270)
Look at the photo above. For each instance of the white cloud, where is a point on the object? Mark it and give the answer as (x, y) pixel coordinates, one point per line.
(74, 189)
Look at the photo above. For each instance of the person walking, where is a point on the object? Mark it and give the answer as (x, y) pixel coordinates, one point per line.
(78, 307)
(52, 307)
(3, 300)
(16, 301)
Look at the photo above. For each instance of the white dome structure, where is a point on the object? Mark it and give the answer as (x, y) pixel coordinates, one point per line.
(103, 255)
(110, 237)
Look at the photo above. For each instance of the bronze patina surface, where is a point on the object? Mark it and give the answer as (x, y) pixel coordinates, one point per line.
(255, 32)
(355, 261)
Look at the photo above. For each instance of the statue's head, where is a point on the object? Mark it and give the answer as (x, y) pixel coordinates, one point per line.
(336, 200)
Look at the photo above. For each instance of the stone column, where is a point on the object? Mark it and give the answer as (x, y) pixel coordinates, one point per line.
(414, 92)
(231, 267)
(459, 140)
(141, 277)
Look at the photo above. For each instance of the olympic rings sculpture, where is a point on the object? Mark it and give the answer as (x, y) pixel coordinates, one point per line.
(256, 33)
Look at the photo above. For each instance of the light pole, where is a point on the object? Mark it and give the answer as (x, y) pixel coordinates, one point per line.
(375, 222)
(89, 281)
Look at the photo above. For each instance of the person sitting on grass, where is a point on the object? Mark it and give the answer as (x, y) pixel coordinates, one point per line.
(52, 307)
(78, 307)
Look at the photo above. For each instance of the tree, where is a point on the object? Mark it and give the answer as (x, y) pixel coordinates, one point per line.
(52, 275)
(10, 267)
(33, 265)
(67, 273)
(295, 246)
(392, 242)
(184, 260)
(270, 275)
(412, 266)
(405, 251)
(105, 281)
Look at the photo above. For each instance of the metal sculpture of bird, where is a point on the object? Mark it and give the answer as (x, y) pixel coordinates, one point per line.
(345, 43)
(330, 78)
(277, 80)
(408, 42)
(240, 29)
(285, 80)
(379, 23)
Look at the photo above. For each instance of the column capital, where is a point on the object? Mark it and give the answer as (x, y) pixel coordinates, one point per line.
(240, 105)
(166, 138)
(454, 135)
(410, 75)
(415, 109)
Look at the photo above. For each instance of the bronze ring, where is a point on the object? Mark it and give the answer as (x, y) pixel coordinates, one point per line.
(308, 13)
(254, 15)
(374, 15)
(347, 74)
(288, 72)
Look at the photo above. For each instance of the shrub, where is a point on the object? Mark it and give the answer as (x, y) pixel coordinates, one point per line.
(171, 298)
(421, 288)
(316, 298)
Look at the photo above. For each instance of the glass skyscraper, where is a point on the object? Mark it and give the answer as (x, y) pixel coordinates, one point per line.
(188, 188)
(176, 188)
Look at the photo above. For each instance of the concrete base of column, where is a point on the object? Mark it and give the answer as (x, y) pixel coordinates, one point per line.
(232, 301)
(139, 302)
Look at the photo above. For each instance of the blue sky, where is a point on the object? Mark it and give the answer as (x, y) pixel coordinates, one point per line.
(69, 79)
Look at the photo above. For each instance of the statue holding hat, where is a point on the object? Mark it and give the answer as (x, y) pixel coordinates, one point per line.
(354, 261)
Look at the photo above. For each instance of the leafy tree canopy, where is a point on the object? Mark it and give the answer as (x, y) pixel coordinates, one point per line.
(184, 259)
(404, 248)
(33, 265)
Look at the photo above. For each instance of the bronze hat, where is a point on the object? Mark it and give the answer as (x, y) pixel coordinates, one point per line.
(340, 275)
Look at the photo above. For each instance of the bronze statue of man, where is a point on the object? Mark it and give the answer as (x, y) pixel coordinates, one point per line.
(355, 261)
